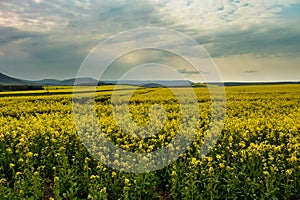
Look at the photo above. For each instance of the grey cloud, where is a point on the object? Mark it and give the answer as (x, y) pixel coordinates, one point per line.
(113, 17)
(273, 41)
(64, 46)
(190, 72)
(250, 71)
(240, 29)
(9, 34)
(37, 55)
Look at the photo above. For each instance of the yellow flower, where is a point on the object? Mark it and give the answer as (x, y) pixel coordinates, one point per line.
(29, 154)
(93, 177)
(103, 190)
(9, 151)
(228, 168)
(230, 139)
(211, 170)
(18, 174)
(210, 159)
(11, 165)
(2, 181)
(127, 181)
(289, 172)
(293, 159)
(242, 144)
(86, 160)
(194, 161)
(56, 179)
(22, 140)
(266, 173)
(173, 173)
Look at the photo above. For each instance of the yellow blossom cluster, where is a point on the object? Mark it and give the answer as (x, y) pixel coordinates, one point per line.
(257, 156)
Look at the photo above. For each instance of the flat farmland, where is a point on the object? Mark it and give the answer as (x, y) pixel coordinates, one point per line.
(256, 157)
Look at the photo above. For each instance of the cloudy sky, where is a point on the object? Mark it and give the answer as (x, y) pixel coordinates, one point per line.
(249, 40)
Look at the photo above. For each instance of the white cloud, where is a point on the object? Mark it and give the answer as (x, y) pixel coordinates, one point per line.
(219, 14)
(35, 16)
(37, 1)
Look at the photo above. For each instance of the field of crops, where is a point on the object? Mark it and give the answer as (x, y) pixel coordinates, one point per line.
(256, 157)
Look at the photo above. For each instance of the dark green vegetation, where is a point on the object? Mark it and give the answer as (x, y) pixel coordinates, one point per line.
(5, 88)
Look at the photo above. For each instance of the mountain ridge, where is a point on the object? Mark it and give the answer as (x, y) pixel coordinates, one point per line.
(8, 80)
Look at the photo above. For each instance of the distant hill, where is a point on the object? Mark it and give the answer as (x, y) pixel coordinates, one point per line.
(254, 83)
(48, 82)
(67, 82)
(151, 83)
(7, 80)
(80, 81)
